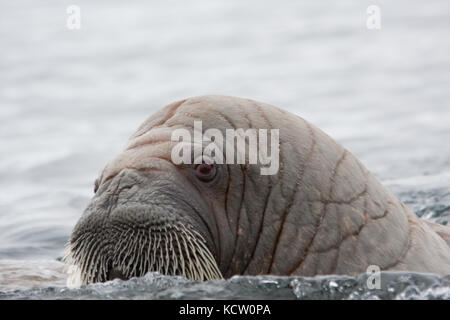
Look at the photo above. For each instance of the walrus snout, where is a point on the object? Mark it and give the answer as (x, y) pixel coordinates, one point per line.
(135, 225)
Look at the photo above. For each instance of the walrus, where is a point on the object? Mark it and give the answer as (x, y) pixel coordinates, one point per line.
(322, 212)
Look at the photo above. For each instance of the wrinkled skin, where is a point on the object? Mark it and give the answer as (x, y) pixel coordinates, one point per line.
(322, 213)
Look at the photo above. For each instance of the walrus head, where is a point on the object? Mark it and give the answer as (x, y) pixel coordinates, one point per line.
(147, 215)
(140, 221)
(322, 212)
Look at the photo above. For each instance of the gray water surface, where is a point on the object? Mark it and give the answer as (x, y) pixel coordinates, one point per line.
(69, 100)
(400, 286)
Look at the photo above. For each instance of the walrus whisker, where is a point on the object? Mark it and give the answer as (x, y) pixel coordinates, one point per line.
(143, 258)
(97, 256)
(80, 247)
(170, 250)
(190, 274)
(155, 258)
(160, 253)
(133, 248)
(144, 265)
(205, 252)
(123, 246)
(149, 250)
(124, 251)
(102, 269)
(135, 258)
(183, 270)
(177, 254)
(173, 256)
(198, 273)
(205, 272)
(167, 257)
(85, 266)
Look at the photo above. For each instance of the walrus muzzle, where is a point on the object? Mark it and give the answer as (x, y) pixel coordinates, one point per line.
(134, 226)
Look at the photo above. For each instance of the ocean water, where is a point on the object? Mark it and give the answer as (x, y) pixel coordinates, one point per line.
(69, 100)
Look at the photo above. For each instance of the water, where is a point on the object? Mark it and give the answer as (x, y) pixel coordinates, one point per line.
(69, 100)
(401, 286)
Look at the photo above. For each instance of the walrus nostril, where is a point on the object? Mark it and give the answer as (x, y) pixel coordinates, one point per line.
(115, 273)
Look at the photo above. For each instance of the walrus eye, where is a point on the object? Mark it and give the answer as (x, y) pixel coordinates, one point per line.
(205, 172)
